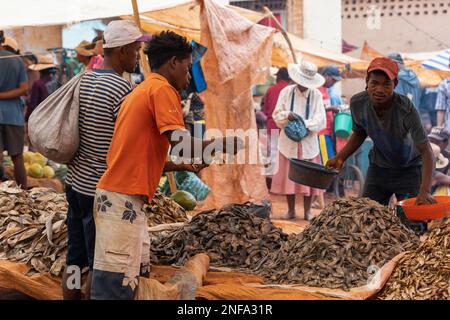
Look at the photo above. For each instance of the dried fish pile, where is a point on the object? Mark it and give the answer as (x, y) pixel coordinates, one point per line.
(164, 210)
(32, 227)
(232, 237)
(338, 247)
(425, 273)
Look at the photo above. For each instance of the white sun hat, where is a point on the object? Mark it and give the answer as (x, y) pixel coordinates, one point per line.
(11, 43)
(45, 61)
(306, 74)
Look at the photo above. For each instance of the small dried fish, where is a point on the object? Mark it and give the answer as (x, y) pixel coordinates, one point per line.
(338, 247)
(233, 236)
(23, 230)
(33, 228)
(423, 274)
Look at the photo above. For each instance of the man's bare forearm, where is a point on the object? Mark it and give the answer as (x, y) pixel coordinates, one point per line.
(355, 141)
(14, 93)
(440, 118)
(428, 166)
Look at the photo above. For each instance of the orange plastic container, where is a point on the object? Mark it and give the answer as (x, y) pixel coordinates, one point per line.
(428, 211)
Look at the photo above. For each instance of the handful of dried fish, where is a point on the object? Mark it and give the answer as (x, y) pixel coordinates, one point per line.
(232, 236)
(32, 227)
(423, 274)
(164, 210)
(338, 247)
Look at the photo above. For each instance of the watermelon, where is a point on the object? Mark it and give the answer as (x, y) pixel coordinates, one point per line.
(184, 199)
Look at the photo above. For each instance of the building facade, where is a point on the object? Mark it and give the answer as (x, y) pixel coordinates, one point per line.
(316, 20)
(37, 39)
(397, 25)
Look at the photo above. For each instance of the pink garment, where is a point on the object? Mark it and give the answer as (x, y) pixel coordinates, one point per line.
(96, 62)
(340, 143)
(281, 184)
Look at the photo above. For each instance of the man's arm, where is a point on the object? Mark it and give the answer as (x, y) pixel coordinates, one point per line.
(332, 108)
(356, 140)
(424, 196)
(442, 179)
(170, 167)
(15, 93)
(181, 138)
(440, 118)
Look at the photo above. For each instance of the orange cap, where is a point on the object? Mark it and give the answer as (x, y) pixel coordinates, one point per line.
(388, 66)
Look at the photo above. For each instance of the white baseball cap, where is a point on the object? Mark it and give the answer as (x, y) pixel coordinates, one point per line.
(119, 33)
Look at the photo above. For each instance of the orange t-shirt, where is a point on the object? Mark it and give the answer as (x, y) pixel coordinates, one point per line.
(138, 150)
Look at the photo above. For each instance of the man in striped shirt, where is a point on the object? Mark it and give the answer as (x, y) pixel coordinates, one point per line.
(101, 93)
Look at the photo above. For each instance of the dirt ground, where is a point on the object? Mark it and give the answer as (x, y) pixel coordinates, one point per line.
(280, 208)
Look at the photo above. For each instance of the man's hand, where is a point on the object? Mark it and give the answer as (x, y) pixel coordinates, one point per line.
(335, 162)
(333, 108)
(195, 168)
(424, 198)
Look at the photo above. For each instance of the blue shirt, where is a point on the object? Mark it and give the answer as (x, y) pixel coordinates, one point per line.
(12, 74)
(335, 99)
(409, 85)
(443, 101)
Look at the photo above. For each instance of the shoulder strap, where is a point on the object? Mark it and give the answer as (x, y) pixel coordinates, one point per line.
(308, 103)
(292, 100)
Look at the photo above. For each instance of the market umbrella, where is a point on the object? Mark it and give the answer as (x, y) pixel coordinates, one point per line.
(441, 61)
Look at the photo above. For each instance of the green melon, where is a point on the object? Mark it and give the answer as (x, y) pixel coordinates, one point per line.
(184, 199)
(35, 170)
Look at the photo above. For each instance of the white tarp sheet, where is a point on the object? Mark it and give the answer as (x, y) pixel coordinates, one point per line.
(22, 13)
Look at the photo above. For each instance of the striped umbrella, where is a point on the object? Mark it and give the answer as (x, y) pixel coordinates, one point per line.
(441, 61)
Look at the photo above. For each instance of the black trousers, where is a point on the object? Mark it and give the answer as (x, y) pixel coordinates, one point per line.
(382, 183)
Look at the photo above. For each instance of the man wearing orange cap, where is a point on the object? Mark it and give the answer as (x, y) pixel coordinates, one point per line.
(401, 161)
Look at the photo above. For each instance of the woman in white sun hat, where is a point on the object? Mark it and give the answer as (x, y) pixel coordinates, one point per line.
(303, 99)
(45, 85)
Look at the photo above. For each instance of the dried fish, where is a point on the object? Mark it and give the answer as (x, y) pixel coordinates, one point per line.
(338, 247)
(233, 236)
(164, 210)
(33, 228)
(423, 274)
(24, 224)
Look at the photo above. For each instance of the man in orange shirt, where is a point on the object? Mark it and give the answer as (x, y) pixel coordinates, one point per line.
(149, 122)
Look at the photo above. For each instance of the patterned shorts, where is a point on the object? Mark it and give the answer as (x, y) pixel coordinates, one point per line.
(122, 245)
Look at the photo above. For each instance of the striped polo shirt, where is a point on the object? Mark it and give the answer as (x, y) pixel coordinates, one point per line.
(101, 94)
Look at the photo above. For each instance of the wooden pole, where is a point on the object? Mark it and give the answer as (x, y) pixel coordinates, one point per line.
(146, 66)
(283, 32)
(137, 20)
